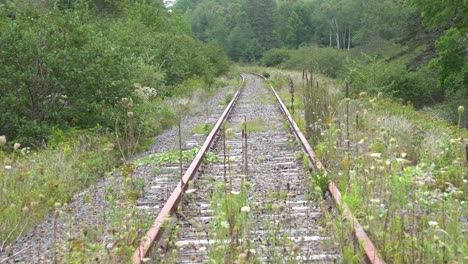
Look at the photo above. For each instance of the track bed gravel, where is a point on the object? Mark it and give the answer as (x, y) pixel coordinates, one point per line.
(290, 233)
(89, 212)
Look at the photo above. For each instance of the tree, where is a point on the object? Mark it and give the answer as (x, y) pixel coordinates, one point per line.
(452, 46)
(262, 18)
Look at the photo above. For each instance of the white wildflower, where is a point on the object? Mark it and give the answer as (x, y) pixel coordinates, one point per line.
(245, 209)
(225, 224)
(433, 223)
(190, 191)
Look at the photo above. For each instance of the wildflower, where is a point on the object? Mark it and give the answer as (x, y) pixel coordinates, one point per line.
(245, 209)
(235, 192)
(296, 248)
(3, 141)
(281, 207)
(229, 132)
(225, 224)
(433, 223)
(190, 191)
(375, 155)
(8, 167)
(16, 146)
(252, 251)
(461, 109)
(242, 258)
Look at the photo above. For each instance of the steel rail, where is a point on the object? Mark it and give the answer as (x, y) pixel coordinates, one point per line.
(370, 251)
(156, 231)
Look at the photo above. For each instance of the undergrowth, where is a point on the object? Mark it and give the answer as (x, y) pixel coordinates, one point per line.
(402, 173)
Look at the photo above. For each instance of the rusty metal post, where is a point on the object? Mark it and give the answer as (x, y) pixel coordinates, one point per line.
(291, 91)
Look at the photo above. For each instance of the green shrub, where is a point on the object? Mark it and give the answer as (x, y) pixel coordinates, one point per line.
(328, 61)
(275, 57)
(392, 78)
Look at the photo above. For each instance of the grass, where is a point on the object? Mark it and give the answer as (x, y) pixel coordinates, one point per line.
(411, 168)
(34, 183)
(203, 129)
(227, 99)
(255, 125)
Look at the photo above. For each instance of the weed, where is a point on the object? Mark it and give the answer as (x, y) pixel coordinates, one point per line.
(256, 125)
(203, 129)
(227, 99)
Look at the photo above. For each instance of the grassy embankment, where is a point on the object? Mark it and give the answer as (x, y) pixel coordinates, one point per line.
(403, 173)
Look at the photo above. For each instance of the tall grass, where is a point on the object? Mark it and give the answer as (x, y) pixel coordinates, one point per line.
(403, 176)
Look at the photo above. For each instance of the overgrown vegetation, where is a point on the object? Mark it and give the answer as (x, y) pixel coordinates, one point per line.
(73, 63)
(81, 91)
(413, 50)
(411, 166)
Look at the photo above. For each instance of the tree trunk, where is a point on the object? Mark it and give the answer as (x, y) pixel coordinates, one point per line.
(349, 38)
(337, 34)
(343, 39)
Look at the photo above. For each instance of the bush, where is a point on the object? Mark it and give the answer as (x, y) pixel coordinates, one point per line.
(328, 61)
(393, 79)
(275, 57)
(87, 62)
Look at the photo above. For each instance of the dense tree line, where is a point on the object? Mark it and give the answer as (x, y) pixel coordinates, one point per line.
(413, 49)
(274, 23)
(68, 63)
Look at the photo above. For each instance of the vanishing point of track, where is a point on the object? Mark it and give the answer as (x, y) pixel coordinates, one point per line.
(272, 166)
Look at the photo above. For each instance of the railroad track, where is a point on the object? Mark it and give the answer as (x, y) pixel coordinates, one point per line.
(258, 206)
(277, 219)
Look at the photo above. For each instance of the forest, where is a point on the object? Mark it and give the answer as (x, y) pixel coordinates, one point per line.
(414, 50)
(68, 63)
(71, 59)
(99, 98)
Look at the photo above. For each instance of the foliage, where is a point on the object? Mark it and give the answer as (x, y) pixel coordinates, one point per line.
(33, 182)
(172, 157)
(392, 78)
(327, 61)
(411, 167)
(87, 57)
(275, 57)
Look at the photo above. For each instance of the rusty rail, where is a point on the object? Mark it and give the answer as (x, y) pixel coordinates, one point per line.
(154, 234)
(370, 251)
